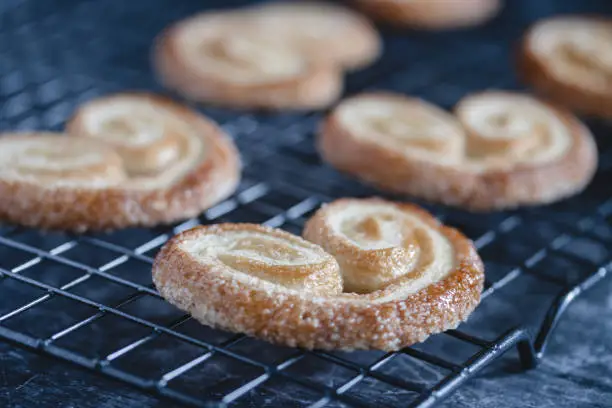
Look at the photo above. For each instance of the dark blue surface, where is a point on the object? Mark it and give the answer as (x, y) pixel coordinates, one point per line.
(56, 54)
(576, 373)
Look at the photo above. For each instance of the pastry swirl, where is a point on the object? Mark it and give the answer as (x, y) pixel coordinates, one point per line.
(569, 59)
(499, 150)
(270, 255)
(226, 59)
(431, 14)
(327, 33)
(398, 277)
(147, 138)
(377, 243)
(45, 157)
(128, 159)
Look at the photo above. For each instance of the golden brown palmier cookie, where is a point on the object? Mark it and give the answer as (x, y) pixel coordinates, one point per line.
(324, 32)
(569, 60)
(129, 160)
(502, 150)
(225, 59)
(431, 14)
(428, 278)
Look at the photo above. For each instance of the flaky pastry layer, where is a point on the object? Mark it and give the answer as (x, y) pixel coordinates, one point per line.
(397, 315)
(568, 59)
(515, 151)
(86, 200)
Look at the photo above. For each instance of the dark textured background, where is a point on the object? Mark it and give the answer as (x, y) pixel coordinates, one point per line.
(577, 372)
(58, 53)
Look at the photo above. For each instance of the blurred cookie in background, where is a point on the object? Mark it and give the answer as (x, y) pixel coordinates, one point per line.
(499, 150)
(129, 159)
(323, 32)
(569, 59)
(223, 59)
(275, 56)
(431, 14)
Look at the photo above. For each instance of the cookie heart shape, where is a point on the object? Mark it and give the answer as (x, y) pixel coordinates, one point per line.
(385, 276)
(127, 159)
(499, 150)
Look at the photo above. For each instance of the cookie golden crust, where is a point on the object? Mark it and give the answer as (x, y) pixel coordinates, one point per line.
(501, 150)
(431, 14)
(569, 60)
(130, 159)
(438, 289)
(224, 59)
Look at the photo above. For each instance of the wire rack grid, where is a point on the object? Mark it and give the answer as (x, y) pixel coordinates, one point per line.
(89, 299)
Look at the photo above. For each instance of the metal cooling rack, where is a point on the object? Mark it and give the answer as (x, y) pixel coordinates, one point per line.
(89, 299)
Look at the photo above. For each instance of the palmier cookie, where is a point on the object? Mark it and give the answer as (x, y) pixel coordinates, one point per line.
(502, 150)
(327, 33)
(224, 59)
(414, 277)
(569, 60)
(431, 14)
(130, 159)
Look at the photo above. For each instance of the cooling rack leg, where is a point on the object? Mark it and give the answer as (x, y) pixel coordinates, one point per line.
(515, 337)
(520, 338)
(559, 306)
(527, 354)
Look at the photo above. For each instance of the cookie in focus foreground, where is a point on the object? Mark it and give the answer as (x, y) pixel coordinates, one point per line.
(273, 285)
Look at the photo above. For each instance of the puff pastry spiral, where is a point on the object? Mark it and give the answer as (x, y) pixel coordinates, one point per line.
(397, 277)
(226, 59)
(45, 158)
(129, 159)
(499, 150)
(569, 59)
